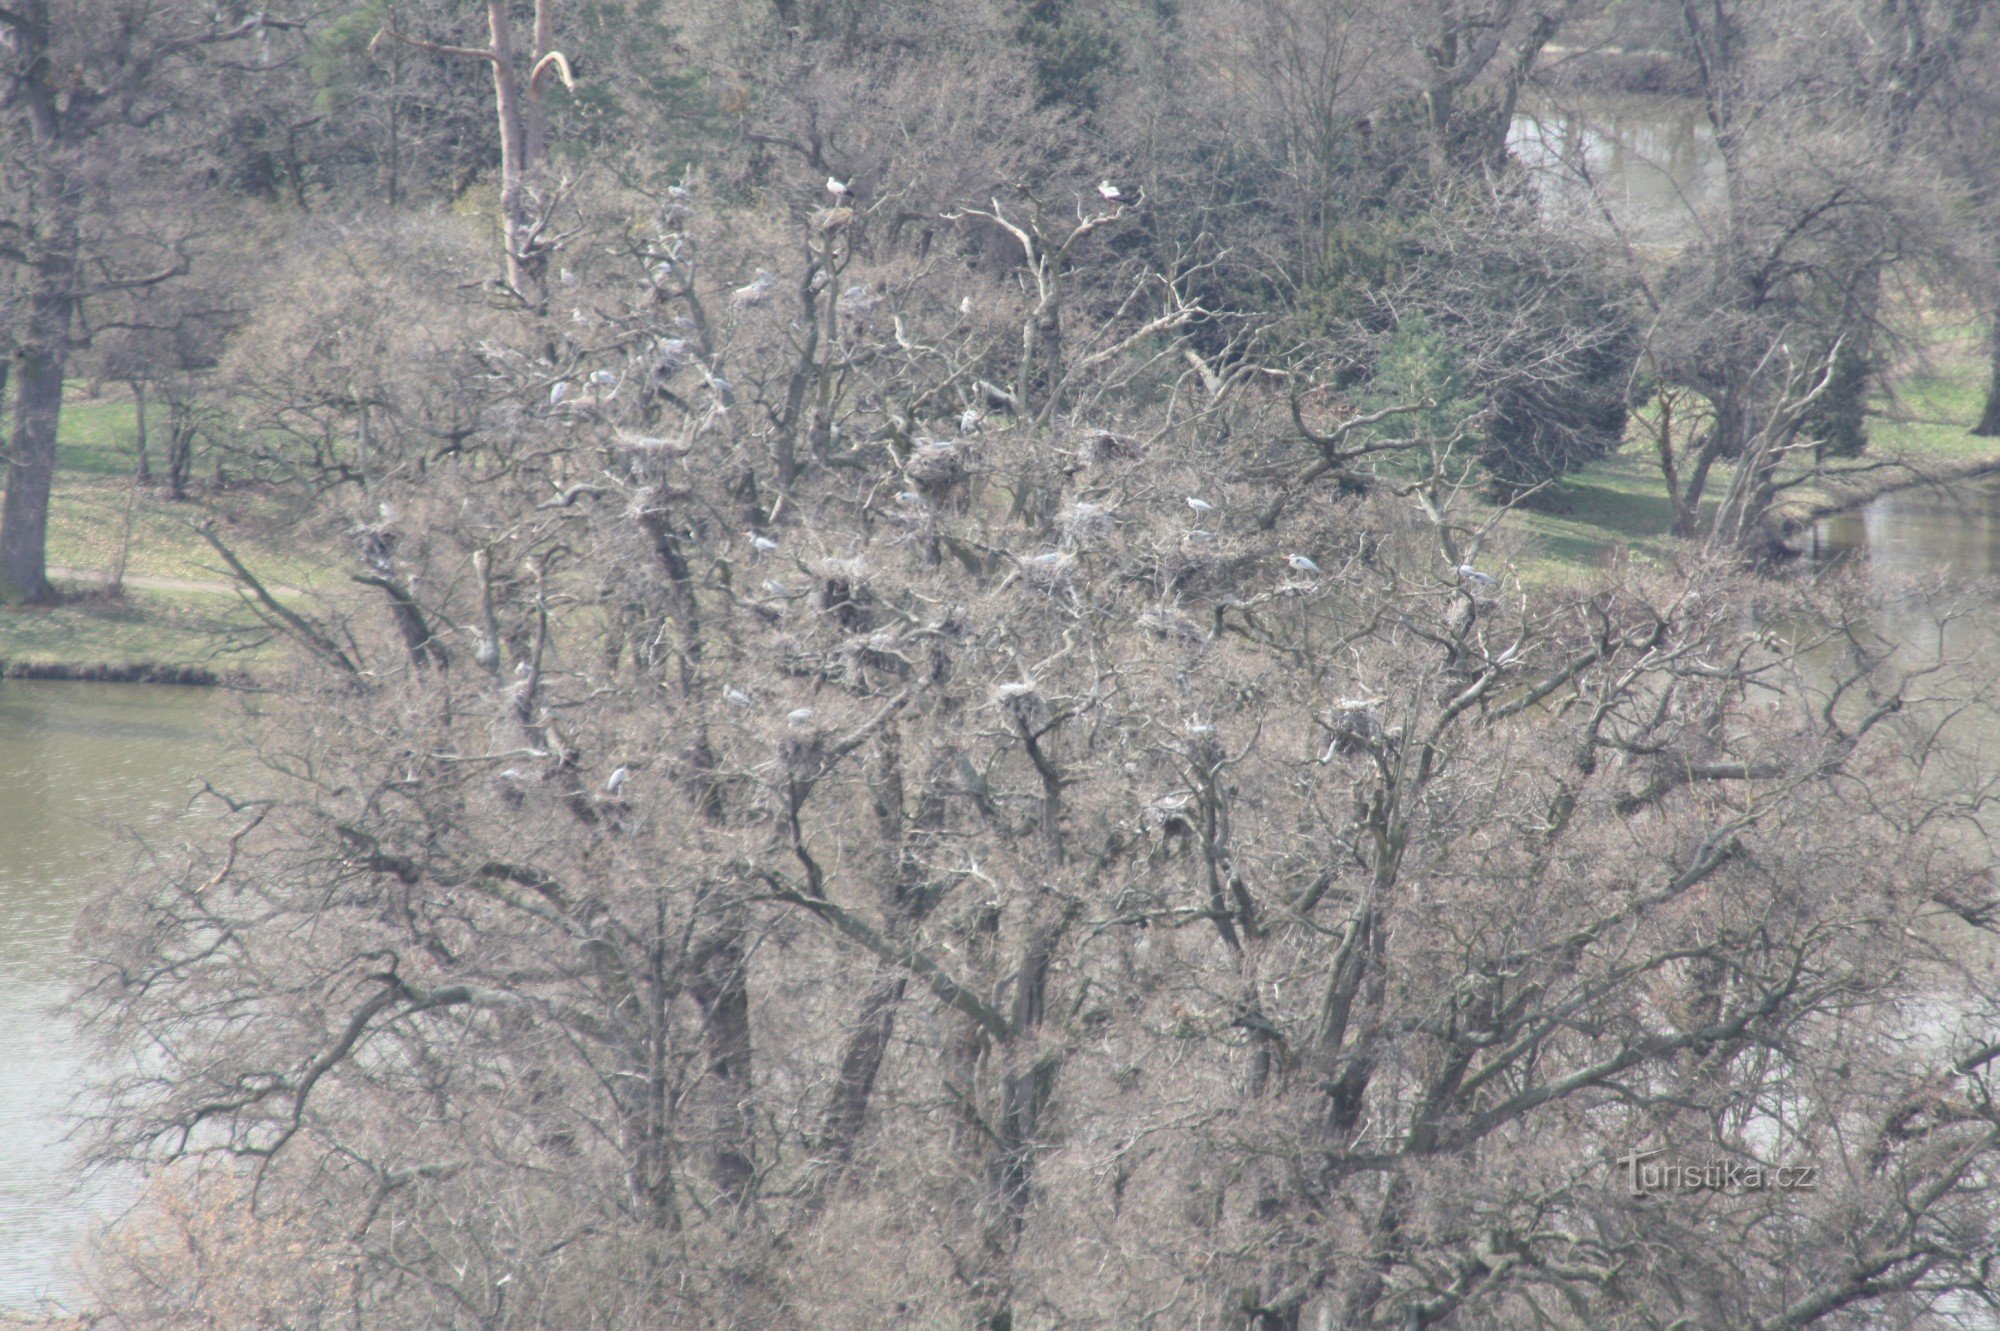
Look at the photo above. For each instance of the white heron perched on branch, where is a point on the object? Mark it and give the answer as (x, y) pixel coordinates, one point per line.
(836, 187)
(754, 292)
(1109, 192)
(1301, 564)
(1467, 573)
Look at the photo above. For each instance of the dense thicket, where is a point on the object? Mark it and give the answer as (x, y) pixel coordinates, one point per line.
(930, 722)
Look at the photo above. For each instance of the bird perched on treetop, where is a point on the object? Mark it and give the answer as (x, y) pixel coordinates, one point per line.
(836, 188)
(1468, 573)
(1302, 564)
(1109, 192)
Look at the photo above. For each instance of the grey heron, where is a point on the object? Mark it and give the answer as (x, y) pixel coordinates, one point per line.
(558, 391)
(1201, 506)
(1301, 564)
(763, 545)
(837, 188)
(1467, 573)
(1109, 192)
(799, 716)
(738, 696)
(616, 781)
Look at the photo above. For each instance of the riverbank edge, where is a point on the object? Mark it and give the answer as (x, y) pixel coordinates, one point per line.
(87, 672)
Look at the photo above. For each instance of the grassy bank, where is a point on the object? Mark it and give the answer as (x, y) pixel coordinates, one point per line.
(178, 617)
(1618, 506)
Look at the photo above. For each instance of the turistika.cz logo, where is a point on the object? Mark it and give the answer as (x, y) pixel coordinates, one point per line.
(1646, 1179)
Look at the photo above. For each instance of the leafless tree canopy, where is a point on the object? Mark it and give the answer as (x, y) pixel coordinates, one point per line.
(917, 732)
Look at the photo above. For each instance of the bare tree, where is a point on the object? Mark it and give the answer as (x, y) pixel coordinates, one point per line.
(86, 90)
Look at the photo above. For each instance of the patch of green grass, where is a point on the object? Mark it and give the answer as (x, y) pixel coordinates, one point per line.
(1619, 505)
(139, 629)
(87, 519)
(96, 436)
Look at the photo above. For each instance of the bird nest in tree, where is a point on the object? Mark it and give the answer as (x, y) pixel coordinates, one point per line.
(935, 467)
(1084, 523)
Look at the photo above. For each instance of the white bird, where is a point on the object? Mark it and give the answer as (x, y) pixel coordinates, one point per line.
(616, 781)
(1200, 728)
(738, 696)
(1048, 557)
(1302, 564)
(836, 188)
(761, 544)
(387, 510)
(968, 420)
(798, 716)
(753, 293)
(965, 305)
(910, 497)
(1468, 573)
(566, 277)
(603, 378)
(1108, 192)
(1200, 505)
(776, 588)
(679, 192)
(558, 391)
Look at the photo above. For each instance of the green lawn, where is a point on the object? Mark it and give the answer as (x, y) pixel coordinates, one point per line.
(202, 624)
(1619, 504)
(141, 629)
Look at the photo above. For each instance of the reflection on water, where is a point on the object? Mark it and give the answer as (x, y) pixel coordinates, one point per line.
(1955, 528)
(1651, 162)
(81, 766)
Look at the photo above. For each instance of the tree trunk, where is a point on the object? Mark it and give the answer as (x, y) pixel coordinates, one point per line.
(143, 471)
(1989, 418)
(524, 264)
(31, 466)
(180, 450)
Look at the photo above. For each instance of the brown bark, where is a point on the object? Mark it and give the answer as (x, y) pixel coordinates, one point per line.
(31, 463)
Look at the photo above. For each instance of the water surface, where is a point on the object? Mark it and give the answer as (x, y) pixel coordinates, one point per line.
(83, 767)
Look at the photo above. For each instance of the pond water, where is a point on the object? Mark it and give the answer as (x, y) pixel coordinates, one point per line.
(82, 768)
(1648, 163)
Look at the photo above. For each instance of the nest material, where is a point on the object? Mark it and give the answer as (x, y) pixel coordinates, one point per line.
(1084, 523)
(844, 594)
(1104, 446)
(1023, 702)
(936, 467)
